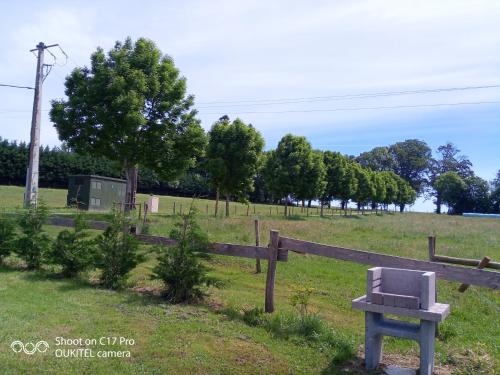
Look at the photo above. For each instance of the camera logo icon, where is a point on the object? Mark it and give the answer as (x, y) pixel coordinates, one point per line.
(29, 348)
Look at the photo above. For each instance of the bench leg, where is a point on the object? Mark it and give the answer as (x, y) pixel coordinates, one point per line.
(427, 338)
(373, 340)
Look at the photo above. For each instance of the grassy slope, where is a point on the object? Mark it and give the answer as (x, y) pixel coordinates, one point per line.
(198, 339)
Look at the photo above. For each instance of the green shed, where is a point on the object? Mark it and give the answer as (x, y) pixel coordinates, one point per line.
(95, 192)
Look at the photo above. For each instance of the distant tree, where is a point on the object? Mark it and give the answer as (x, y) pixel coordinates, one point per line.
(131, 105)
(476, 197)
(285, 169)
(495, 194)
(391, 187)
(405, 194)
(365, 190)
(495, 184)
(411, 162)
(260, 193)
(450, 160)
(379, 159)
(312, 180)
(233, 153)
(450, 187)
(341, 182)
(379, 189)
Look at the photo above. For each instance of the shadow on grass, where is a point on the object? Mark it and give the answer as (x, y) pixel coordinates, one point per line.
(296, 218)
(354, 366)
(307, 330)
(356, 217)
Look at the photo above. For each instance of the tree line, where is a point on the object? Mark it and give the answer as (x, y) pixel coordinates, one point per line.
(129, 114)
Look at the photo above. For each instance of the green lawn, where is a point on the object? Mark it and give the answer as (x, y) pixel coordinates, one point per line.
(202, 339)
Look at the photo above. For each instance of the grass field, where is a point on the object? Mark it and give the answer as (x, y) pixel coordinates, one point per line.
(203, 338)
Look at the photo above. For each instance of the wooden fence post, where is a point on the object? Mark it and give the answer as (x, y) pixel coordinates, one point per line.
(207, 209)
(180, 209)
(271, 270)
(146, 207)
(257, 243)
(174, 208)
(248, 209)
(432, 247)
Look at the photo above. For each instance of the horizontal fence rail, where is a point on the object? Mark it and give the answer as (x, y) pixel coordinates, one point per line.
(69, 222)
(478, 277)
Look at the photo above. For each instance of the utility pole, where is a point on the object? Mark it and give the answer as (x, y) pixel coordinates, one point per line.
(31, 193)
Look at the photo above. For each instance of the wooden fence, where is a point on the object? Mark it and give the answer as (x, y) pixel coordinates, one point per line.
(279, 246)
(238, 209)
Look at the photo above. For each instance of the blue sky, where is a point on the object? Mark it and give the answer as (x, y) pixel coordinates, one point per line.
(245, 50)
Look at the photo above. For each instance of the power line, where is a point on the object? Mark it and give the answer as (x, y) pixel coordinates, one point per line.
(256, 102)
(356, 108)
(17, 87)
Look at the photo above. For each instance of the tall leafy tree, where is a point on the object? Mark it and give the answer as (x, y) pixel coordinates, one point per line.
(476, 197)
(131, 105)
(405, 194)
(450, 187)
(495, 194)
(341, 182)
(379, 189)
(312, 180)
(412, 161)
(391, 187)
(286, 167)
(365, 190)
(233, 154)
(379, 159)
(449, 160)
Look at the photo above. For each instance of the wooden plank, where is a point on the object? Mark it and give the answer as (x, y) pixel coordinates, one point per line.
(257, 243)
(465, 261)
(484, 262)
(244, 251)
(69, 222)
(271, 271)
(453, 273)
(155, 240)
(217, 248)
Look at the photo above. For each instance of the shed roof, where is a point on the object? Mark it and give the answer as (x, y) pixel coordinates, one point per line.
(93, 176)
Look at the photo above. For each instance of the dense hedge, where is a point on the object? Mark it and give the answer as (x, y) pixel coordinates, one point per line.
(57, 164)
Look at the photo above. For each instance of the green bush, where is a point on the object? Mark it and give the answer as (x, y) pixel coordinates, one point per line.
(180, 267)
(7, 236)
(34, 243)
(72, 249)
(117, 253)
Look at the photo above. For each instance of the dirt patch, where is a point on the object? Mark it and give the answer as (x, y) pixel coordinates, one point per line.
(357, 366)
